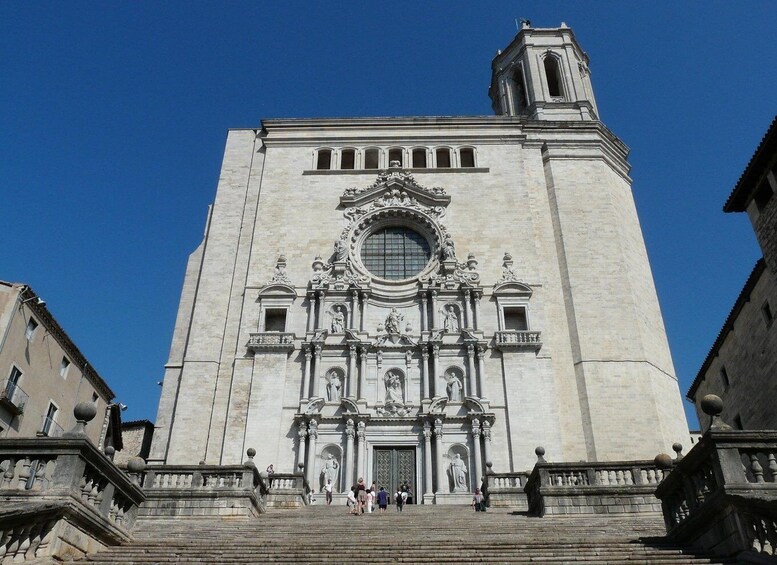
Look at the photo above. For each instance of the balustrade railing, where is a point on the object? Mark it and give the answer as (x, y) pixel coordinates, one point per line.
(518, 339)
(13, 397)
(201, 477)
(271, 341)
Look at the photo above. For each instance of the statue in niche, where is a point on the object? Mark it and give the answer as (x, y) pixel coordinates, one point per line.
(454, 387)
(330, 469)
(394, 322)
(334, 386)
(394, 387)
(459, 474)
(448, 249)
(341, 250)
(338, 320)
(451, 319)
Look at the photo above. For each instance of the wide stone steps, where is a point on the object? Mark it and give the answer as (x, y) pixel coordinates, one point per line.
(420, 534)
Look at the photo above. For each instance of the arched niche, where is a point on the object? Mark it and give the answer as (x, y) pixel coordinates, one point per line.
(459, 469)
(455, 384)
(395, 386)
(334, 385)
(330, 467)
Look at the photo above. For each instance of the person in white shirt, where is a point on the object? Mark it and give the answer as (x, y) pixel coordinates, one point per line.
(328, 491)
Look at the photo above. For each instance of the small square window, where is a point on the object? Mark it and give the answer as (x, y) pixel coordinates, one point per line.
(515, 319)
(275, 320)
(63, 367)
(30, 330)
(724, 378)
(766, 312)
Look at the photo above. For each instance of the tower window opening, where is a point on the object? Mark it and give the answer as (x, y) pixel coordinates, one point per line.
(419, 158)
(443, 158)
(519, 92)
(275, 320)
(348, 159)
(396, 155)
(324, 161)
(371, 159)
(763, 194)
(467, 158)
(553, 76)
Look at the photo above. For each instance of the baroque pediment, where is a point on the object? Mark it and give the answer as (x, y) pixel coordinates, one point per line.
(395, 187)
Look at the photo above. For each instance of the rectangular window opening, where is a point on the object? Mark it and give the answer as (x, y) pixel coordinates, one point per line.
(94, 397)
(467, 158)
(443, 159)
(724, 378)
(348, 159)
(766, 312)
(30, 329)
(324, 161)
(371, 159)
(49, 420)
(419, 158)
(275, 320)
(515, 319)
(63, 367)
(763, 194)
(738, 423)
(396, 155)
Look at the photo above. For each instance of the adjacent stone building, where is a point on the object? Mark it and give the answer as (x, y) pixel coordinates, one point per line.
(741, 367)
(44, 375)
(406, 299)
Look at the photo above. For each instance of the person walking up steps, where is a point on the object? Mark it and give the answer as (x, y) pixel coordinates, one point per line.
(383, 498)
(328, 491)
(398, 498)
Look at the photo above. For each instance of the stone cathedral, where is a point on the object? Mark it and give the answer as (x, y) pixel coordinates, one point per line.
(409, 299)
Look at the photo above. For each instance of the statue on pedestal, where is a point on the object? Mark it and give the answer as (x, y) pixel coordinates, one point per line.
(334, 386)
(338, 320)
(459, 474)
(451, 319)
(394, 322)
(330, 470)
(454, 387)
(394, 388)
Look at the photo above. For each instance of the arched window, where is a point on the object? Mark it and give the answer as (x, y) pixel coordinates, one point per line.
(553, 76)
(371, 159)
(443, 158)
(419, 158)
(348, 159)
(324, 160)
(396, 155)
(519, 91)
(467, 157)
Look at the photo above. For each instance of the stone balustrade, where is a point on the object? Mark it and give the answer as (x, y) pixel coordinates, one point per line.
(271, 341)
(722, 496)
(204, 490)
(614, 487)
(62, 497)
(506, 489)
(287, 490)
(506, 340)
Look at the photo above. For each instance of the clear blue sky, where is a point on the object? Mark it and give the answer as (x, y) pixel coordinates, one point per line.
(113, 118)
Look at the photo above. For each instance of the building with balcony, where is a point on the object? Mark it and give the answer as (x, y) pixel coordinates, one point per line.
(408, 299)
(44, 375)
(741, 366)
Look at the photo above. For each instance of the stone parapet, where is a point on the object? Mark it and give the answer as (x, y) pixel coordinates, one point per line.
(287, 490)
(505, 490)
(722, 496)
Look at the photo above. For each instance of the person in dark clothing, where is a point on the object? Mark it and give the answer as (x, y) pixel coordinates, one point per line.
(383, 498)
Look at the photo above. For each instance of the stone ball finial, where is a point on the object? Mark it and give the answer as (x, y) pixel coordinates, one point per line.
(663, 461)
(539, 451)
(136, 465)
(300, 466)
(110, 451)
(251, 452)
(677, 447)
(85, 412)
(712, 405)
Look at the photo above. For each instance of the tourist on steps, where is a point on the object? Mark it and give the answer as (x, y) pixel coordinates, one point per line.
(361, 497)
(398, 499)
(383, 498)
(352, 500)
(328, 491)
(478, 502)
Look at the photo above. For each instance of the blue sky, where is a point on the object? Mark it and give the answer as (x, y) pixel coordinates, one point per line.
(113, 118)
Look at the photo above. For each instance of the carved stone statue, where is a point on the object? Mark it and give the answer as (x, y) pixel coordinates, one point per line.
(451, 321)
(459, 474)
(454, 387)
(341, 250)
(330, 469)
(394, 322)
(338, 320)
(394, 387)
(334, 386)
(448, 249)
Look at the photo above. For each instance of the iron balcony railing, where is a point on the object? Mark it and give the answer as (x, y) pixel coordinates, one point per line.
(13, 397)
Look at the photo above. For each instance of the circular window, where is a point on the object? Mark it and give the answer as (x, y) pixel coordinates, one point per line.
(395, 253)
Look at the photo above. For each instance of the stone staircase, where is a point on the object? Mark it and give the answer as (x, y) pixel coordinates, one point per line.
(420, 534)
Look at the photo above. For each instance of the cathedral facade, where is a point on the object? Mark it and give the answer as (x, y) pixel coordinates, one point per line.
(407, 299)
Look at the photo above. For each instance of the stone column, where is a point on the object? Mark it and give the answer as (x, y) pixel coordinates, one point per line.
(487, 441)
(354, 308)
(428, 470)
(476, 320)
(362, 372)
(472, 385)
(424, 311)
(311, 464)
(408, 362)
(302, 434)
(350, 433)
(363, 311)
(435, 363)
(468, 310)
(482, 370)
(352, 376)
(361, 454)
(441, 480)
(434, 310)
(476, 449)
(425, 371)
(311, 311)
(314, 385)
(309, 369)
(320, 316)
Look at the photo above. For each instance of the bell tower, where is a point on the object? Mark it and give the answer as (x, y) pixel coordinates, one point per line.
(543, 75)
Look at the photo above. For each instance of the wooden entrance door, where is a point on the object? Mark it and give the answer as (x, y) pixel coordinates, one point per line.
(395, 466)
